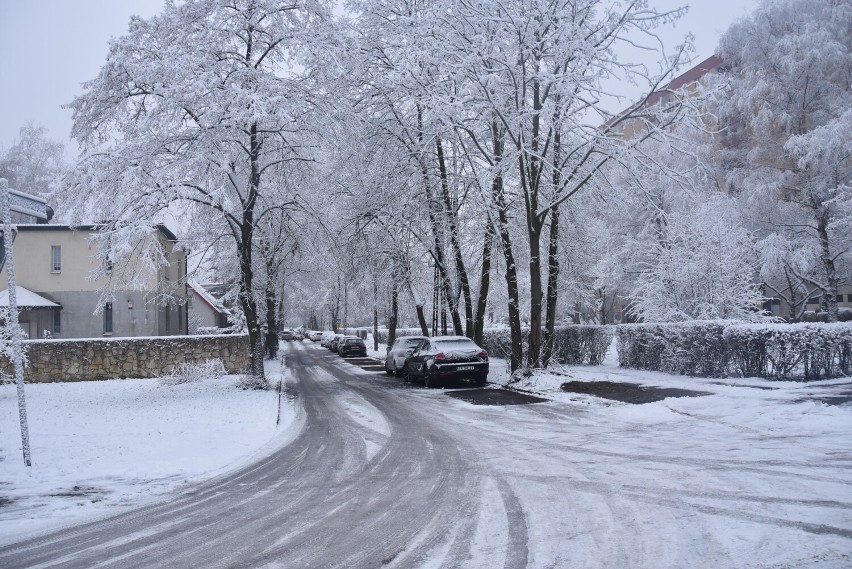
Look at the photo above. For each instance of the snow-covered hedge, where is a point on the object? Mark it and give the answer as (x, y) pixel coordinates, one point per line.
(720, 348)
(574, 344)
(693, 348)
(812, 351)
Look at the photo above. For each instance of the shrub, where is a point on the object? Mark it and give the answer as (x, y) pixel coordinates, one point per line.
(689, 348)
(811, 351)
(572, 345)
(721, 348)
(192, 372)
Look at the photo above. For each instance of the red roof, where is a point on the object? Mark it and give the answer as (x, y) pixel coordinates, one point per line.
(691, 75)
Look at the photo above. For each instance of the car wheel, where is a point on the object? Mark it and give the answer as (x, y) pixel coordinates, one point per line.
(428, 381)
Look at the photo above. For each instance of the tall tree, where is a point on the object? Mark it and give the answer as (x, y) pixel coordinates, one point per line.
(34, 163)
(788, 113)
(195, 106)
(534, 70)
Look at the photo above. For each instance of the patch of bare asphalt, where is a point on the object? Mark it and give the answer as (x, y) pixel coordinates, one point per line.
(628, 392)
(841, 398)
(90, 492)
(494, 397)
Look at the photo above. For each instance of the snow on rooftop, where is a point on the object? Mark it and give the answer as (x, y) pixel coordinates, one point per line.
(26, 299)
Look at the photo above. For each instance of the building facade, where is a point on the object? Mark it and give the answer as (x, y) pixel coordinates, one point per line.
(60, 264)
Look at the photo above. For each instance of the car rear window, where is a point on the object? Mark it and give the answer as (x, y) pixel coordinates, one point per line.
(460, 344)
(355, 341)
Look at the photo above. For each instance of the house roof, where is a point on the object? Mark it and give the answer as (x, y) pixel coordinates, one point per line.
(29, 205)
(208, 298)
(26, 298)
(52, 227)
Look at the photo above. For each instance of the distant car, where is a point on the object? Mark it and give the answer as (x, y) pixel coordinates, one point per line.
(352, 346)
(298, 336)
(326, 338)
(333, 345)
(287, 335)
(315, 336)
(436, 361)
(398, 353)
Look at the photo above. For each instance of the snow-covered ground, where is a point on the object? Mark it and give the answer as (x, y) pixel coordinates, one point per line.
(102, 446)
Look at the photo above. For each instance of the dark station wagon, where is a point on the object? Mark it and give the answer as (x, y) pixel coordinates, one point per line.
(437, 361)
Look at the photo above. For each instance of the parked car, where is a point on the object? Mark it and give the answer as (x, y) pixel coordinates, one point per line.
(287, 335)
(326, 338)
(436, 361)
(335, 342)
(398, 353)
(352, 346)
(314, 335)
(298, 336)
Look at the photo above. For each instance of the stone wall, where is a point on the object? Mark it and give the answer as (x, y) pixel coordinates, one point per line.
(114, 358)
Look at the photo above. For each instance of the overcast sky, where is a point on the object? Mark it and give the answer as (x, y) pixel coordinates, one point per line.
(48, 48)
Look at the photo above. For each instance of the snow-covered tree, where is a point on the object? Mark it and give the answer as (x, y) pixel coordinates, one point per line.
(788, 114)
(34, 163)
(703, 268)
(197, 106)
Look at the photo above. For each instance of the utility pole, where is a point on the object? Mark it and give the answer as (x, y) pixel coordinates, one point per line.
(17, 355)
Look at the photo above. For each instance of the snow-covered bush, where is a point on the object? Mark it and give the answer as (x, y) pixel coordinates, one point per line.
(192, 372)
(721, 348)
(579, 344)
(812, 351)
(686, 348)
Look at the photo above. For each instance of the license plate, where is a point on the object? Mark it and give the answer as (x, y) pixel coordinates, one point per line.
(465, 368)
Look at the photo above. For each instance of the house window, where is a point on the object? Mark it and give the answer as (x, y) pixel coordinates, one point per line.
(57, 322)
(108, 318)
(55, 259)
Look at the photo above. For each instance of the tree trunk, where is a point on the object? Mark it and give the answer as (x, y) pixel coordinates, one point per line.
(437, 233)
(529, 173)
(375, 314)
(552, 257)
(517, 351)
(271, 319)
(552, 291)
(830, 290)
(536, 297)
(455, 242)
(421, 319)
(394, 314)
(484, 282)
(245, 247)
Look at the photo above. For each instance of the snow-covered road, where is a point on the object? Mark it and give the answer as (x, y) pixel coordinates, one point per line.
(383, 473)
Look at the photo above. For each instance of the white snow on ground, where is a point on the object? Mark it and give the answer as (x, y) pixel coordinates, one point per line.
(102, 445)
(756, 474)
